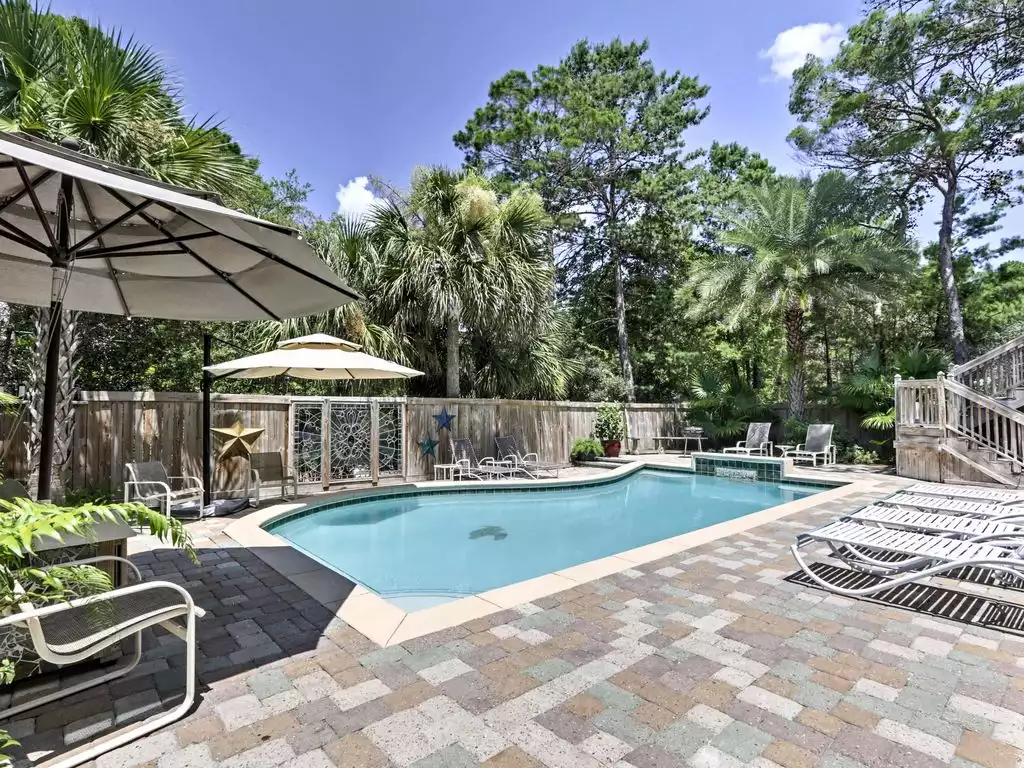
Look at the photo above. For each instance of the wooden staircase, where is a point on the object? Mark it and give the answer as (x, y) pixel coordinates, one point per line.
(967, 426)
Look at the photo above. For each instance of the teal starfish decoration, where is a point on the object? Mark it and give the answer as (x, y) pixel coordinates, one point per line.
(428, 446)
(444, 419)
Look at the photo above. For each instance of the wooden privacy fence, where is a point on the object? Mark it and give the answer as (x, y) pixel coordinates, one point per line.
(113, 428)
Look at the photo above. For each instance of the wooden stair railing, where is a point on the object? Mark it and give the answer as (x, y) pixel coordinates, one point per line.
(996, 373)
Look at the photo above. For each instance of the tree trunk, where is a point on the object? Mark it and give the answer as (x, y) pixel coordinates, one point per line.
(828, 361)
(453, 338)
(67, 390)
(948, 277)
(795, 348)
(621, 330)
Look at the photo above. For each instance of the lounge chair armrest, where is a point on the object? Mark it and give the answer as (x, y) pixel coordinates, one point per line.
(741, 444)
(535, 459)
(800, 447)
(47, 610)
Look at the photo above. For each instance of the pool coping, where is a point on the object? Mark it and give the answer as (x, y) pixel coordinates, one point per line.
(386, 624)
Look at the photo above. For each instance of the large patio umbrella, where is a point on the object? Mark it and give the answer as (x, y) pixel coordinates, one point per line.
(317, 356)
(81, 234)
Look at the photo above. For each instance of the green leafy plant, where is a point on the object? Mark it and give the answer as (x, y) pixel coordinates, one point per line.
(609, 424)
(585, 449)
(855, 454)
(794, 431)
(870, 388)
(723, 407)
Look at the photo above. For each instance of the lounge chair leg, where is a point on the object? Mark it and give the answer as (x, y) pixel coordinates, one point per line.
(131, 734)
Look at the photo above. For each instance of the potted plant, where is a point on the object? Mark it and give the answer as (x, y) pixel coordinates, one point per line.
(609, 428)
(585, 449)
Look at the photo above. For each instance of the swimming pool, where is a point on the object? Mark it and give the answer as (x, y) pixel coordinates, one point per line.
(423, 549)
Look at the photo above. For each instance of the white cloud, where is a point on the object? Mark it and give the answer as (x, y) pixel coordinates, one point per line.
(792, 46)
(355, 198)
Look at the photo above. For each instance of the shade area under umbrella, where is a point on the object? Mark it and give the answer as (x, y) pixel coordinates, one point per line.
(317, 356)
(78, 233)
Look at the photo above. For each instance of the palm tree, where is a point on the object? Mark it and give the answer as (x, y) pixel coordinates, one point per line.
(457, 259)
(790, 245)
(61, 78)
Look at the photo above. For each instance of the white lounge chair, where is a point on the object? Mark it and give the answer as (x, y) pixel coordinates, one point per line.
(924, 555)
(269, 467)
(818, 445)
(971, 528)
(978, 492)
(955, 506)
(528, 463)
(67, 633)
(469, 466)
(758, 442)
(149, 483)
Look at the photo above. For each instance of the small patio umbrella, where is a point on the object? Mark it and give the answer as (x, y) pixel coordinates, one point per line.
(317, 356)
(77, 233)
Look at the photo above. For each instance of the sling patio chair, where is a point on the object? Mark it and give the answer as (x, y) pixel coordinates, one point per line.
(70, 632)
(976, 492)
(269, 467)
(961, 507)
(528, 463)
(921, 555)
(818, 445)
(758, 442)
(469, 466)
(149, 483)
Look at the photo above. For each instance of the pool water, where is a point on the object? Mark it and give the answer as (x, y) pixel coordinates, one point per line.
(422, 550)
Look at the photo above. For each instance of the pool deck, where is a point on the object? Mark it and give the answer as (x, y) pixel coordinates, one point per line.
(701, 657)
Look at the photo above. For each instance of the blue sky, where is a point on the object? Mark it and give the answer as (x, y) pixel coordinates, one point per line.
(339, 90)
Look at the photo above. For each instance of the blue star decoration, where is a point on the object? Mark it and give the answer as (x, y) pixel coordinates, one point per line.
(428, 446)
(444, 419)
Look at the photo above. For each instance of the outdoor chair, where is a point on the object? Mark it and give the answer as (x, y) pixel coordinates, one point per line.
(978, 492)
(962, 507)
(70, 632)
(758, 442)
(269, 467)
(469, 466)
(912, 557)
(149, 483)
(819, 445)
(953, 526)
(12, 489)
(528, 463)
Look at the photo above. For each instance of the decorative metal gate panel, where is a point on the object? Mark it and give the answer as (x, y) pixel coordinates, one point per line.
(344, 439)
(349, 440)
(307, 441)
(390, 439)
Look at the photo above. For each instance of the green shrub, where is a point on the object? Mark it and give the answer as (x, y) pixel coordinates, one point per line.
(586, 449)
(609, 424)
(854, 454)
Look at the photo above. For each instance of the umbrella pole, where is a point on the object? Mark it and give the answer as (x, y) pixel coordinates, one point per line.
(207, 420)
(60, 257)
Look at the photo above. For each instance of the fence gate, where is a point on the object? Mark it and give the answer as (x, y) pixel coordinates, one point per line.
(339, 439)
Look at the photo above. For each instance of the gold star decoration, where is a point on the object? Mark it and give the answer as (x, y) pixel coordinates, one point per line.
(239, 440)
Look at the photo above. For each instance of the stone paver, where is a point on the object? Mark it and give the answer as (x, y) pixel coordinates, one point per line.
(705, 658)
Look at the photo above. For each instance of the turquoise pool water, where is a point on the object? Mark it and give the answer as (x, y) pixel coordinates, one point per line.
(425, 549)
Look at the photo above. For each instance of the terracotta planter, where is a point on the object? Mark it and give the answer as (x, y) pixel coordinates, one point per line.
(611, 448)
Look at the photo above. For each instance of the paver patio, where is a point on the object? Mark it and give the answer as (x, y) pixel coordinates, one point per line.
(707, 658)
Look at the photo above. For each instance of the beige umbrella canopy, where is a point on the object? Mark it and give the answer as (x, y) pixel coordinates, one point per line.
(79, 233)
(317, 356)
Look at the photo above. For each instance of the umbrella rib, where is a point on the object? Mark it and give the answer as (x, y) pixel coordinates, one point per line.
(23, 237)
(31, 190)
(98, 233)
(116, 250)
(107, 256)
(12, 199)
(159, 227)
(265, 253)
(110, 267)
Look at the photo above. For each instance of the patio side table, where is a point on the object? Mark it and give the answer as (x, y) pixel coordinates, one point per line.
(784, 450)
(445, 471)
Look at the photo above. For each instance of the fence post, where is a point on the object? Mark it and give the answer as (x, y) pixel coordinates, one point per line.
(374, 441)
(941, 391)
(325, 443)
